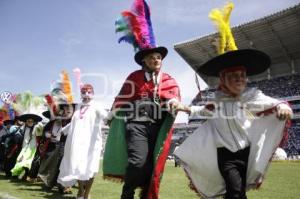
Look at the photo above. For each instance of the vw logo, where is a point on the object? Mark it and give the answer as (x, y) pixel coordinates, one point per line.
(6, 97)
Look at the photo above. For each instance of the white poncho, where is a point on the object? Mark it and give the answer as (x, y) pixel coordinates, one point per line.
(198, 152)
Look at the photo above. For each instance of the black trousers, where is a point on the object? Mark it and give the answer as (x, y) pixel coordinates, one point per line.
(233, 168)
(35, 165)
(141, 138)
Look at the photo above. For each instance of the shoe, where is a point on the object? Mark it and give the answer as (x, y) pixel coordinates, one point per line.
(38, 179)
(79, 197)
(31, 180)
(67, 190)
(144, 193)
(46, 188)
(22, 174)
(127, 192)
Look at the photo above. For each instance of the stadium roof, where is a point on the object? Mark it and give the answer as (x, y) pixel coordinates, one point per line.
(278, 35)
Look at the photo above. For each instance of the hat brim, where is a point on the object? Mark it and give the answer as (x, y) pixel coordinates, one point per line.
(16, 118)
(68, 105)
(254, 61)
(139, 56)
(25, 117)
(6, 122)
(46, 114)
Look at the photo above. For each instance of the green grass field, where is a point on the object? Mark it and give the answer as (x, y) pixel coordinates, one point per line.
(282, 182)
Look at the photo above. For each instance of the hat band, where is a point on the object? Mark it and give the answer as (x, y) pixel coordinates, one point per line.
(232, 69)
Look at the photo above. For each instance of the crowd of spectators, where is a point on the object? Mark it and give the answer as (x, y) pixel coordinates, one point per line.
(292, 147)
(279, 87)
(282, 87)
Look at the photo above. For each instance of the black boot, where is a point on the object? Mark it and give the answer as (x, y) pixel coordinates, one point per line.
(144, 192)
(127, 192)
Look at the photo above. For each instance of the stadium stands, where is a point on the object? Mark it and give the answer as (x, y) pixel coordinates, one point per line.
(286, 88)
(271, 34)
(280, 87)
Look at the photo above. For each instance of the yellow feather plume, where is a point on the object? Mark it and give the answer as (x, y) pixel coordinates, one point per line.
(221, 18)
(66, 87)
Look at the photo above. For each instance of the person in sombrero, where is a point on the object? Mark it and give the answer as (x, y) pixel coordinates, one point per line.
(30, 131)
(139, 136)
(241, 131)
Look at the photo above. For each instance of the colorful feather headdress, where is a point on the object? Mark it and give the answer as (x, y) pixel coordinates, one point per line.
(221, 17)
(136, 26)
(66, 87)
(229, 55)
(61, 92)
(61, 89)
(28, 103)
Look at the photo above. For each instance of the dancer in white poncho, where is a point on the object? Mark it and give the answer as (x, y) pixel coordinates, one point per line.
(83, 145)
(233, 145)
(229, 153)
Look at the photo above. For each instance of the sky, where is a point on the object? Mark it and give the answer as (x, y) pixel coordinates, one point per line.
(40, 38)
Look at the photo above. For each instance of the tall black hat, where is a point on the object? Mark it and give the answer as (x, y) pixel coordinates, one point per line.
(139, 56)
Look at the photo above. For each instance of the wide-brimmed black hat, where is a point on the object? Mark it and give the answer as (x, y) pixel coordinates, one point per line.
(254, 61)
(46, 114)
(7, 122)
(27, 116)
(139, 56)
(67, 105)
(16, 118)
